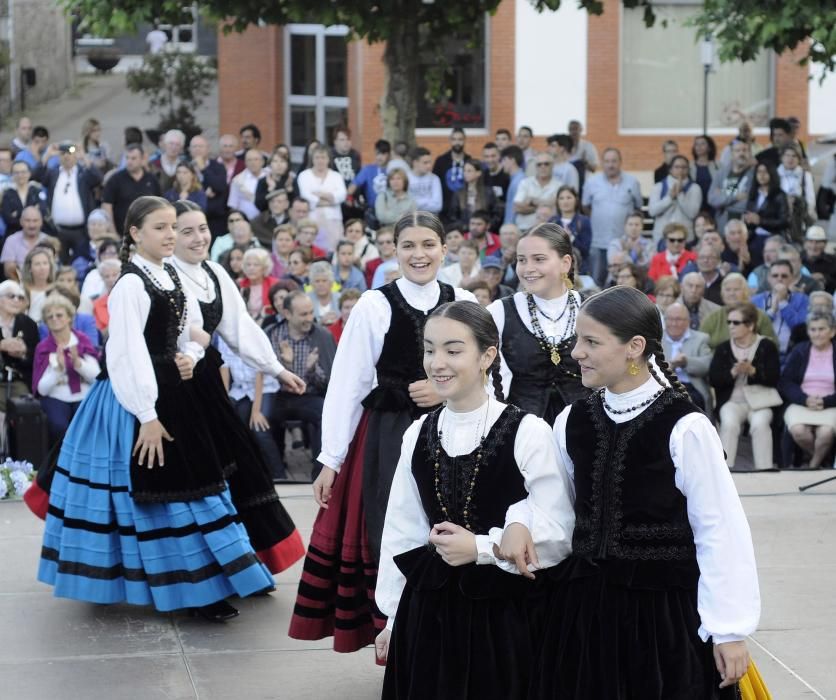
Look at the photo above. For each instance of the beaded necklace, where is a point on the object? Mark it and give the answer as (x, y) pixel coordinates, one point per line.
(173, 296)
(550, 347)
(472, 484)
(644, 403)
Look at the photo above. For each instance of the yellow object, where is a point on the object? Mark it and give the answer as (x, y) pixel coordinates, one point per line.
(633, 368)
(752, 686)
(568, 281)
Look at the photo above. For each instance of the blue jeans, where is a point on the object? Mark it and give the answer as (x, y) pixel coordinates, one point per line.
(58, 416)
(266, 443)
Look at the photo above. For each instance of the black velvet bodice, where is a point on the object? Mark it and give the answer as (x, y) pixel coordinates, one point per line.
(498, 484)
(627, 506)
(401, 361)
(538, 386)
(212, 311)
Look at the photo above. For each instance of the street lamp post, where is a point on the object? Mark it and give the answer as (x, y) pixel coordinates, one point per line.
(707, 59)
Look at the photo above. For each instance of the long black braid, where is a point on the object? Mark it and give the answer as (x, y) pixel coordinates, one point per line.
(496, 378)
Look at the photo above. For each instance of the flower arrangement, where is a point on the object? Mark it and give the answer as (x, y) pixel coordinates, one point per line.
(15, 478)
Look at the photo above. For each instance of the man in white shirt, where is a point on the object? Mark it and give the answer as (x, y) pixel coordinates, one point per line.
(688, 354)
(242, 188)
(536, 191)
(156, 40)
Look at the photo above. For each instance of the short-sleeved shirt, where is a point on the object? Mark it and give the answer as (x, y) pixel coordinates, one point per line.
(530, 188)
(16, 248)
(121, 190)
(611, 202)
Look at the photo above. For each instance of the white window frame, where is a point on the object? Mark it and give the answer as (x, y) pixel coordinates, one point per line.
(175, 44)
(320, 101)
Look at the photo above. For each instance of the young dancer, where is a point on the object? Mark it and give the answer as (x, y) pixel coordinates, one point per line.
(271, 530)
(139, 510)
(458, 627)
(537, 326)
(382, 389)
(661, 588)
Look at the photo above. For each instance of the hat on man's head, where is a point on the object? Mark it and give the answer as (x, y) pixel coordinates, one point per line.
(276, 193)
(67, 147)
(815, 233)
(491, 261)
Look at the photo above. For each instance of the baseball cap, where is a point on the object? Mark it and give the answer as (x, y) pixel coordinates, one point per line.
(491, 262)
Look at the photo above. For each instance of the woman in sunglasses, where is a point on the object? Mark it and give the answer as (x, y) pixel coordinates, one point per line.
(18, 339)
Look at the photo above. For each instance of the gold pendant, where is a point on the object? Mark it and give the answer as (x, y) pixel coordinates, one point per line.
(555, 356)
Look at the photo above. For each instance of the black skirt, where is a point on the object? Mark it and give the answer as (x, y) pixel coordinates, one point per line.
(623, 631)
(463, 633)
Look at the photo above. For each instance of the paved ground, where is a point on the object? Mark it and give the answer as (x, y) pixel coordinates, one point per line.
(73, 651)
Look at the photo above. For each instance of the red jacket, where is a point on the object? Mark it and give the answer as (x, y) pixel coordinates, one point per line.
(659, 265)
(266, 283)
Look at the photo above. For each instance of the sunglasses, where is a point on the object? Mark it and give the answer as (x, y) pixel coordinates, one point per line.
(16, 297)
(735, 323)
(676, 240)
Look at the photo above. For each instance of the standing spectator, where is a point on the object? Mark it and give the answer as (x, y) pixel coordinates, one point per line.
(70, 198)
(5, 177)
(449, 166)
(344, 159)
(385, 242)
(570, 218)
(496, 179)
(242, 187)
(37, 273)
(704, 166)
(828, 182)
(688, 354)
(584, 155)
(284, 243)
(256, 283)
(736, 255)
(264, 225)
(213, 180)
(18, 245)
(533, 192)
(512, 163)
(669, 150)
(371, 180)
(250, 138)
(278, 176)
(124, 186)
(524, 137)
(18, 339)
(745, 134)
(304, 347)
(637, 249)
(348, 299)
(675, 199)
(807, 383)
(780, 135)
(734, 292)
(346, 273)
(323, 294)
(559, 147)
(37, 154)
(400, 157)
(97, 151)
(228, 158)
(502, 138)
(731, 185)
(671, 260)
(474, 196)
(745, 360)
(325, 191)
(785, 308)
(109, 270)
(156, 40)
(822, 266)
(66, 364)
(23, 135)
(797, 184)
(693, 299)
(23, 192)
(164, 168)
(186, 185)
(708, 265)
(425, 186)
(610, 196)
(391, 204)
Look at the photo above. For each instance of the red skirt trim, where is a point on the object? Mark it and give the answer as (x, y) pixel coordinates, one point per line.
(37, 499)
(336, 591)
(284, 554)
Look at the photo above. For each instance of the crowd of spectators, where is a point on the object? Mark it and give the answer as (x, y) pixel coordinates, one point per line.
(726, 242)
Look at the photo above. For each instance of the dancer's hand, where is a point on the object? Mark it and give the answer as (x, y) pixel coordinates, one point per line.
(291, 382)
(185, 365)
(150, 443)
(732, 659)
(322, 486)
(517, 546)
(455, 544)
(381, 644)
(423, 394)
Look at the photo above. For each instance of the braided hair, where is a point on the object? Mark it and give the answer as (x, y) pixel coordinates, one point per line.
(140, 208)
(484, 330)
(627, 312)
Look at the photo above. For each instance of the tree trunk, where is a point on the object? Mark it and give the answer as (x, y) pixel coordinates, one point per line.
(398, 105)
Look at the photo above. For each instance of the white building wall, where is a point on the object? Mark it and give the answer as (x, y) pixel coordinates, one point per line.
(822, 103)
(550, 67)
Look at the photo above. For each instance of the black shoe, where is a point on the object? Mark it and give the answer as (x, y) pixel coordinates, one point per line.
(216, 612)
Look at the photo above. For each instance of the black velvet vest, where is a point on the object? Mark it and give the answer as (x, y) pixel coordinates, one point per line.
(627, 506)
(538, 386)
(212, 311)
(402, 358)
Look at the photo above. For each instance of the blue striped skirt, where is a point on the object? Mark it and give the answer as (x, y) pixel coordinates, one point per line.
(102, 547)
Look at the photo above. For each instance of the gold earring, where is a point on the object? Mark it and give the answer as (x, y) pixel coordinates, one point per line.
(633, 368)
(484, 376)
(568, 281)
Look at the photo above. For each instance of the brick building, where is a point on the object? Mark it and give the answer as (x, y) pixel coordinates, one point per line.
(632, 87)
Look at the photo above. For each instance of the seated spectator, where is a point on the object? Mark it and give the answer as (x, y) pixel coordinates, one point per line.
(481, 290)
(347, 301)
(67, 278)
(639, 250)
(307, 232)
(693, 299)
(324, 294)
(688, 354)
(704, 166)
(38, 272)
(346, 274)
(466, 270)
(22, 194)
(670, 149)
(491, 273)
(18, 339)
(325, 190)
(785, 308)
(708, 265)
(767, 210)
(298, 264)
(820, 302)
(18, 245)
(736, 255)
(307, 350)
(453, 238)
(734, 291)
(275, 215)
(584, 284)
(109, 271)
(65, 366)
(83, 322)
(675, 257)
(577, 224)
(253, 394)
(667, 291)
(797, 184)
(631, 275)
(424, 185)
(509, 237)
(364, 250)
(99, 231)
(93, 286)
(704, 222)
(256, 283)
(233, 262)
(240, 234)
(163, 164)
(385, 242)
(243, 185)
(186, 185)
(391, 204)
(279, 177)
(479, 233)
(757, 279)
(732, 185)
(822, 266)
(675, 199)
(284, 243)
(371, 180)
(807, 384)
(474, 197)
(278, 293)
(801, 279)
(533, 191)
(745, 360)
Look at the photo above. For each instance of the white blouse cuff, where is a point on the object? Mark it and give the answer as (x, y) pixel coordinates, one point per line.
(484, 550)
(722, 638)
(147, 416)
